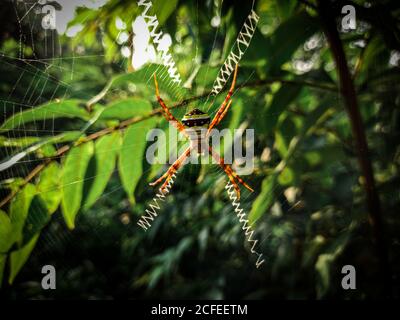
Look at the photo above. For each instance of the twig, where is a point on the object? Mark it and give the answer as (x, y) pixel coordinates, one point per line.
(134, 120)
(350, 98)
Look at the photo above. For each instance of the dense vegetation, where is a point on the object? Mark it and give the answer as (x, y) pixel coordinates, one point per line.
(324, 104)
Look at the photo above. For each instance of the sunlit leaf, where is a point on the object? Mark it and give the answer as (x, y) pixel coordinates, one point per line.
(236, 113)
(19, 209)
(5, 233)
(144, 76)
(265, 199)
(52, 110)
(48, 187)
(286, 177)
(73, 175)
(41, 145)
(206, 76)
(101, 168)
(17, 142)
(167, 149)
(164, 9)
(19, 257)
(131, 155)
(38, 217)
(125, 109)
(110, 48)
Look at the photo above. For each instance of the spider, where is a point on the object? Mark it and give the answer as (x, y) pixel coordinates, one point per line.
(196, 126)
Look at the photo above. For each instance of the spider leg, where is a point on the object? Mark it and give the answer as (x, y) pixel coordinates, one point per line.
(167, 114)
(154, 183)
(232, 175)
(241, 181)
(172, 169)
(223, 113)
(225, 105)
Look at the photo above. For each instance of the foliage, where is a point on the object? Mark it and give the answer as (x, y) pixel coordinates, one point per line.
(79, 212)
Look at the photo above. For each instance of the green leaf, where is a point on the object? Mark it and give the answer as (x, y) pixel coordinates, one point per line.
(318, 115)
(131, 155)
(46, 151)
(17, 142)
(48, 186)
(312, 121)
(285, 8)
(106, 149)
(286, 177)
(19, 257)
(37, 218)
(283, 136)
(72, 180)
(125, 109)
(206, 76)
(109, 46)
(37, 147)
(236, 113)
(324, 262)
(281, 100)
(164, 9)
(322, 267)
(374, 58)
(144, 76)
(265, 200)
(290, 34)
(266, 197)
(312, 248)
(52, 110)
(164, 152)
(19, 209)
(5, 233)
(3, 259)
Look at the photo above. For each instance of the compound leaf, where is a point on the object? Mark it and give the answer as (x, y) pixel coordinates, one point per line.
(73, 175)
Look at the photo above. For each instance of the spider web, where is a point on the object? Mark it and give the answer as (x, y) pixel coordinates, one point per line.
(40, 70)
(28, 17)
(43, 79)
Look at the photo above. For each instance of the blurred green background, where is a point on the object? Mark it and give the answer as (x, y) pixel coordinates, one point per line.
(74, 196)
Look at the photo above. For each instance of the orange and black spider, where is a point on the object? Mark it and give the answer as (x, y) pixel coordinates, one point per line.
(193, 125)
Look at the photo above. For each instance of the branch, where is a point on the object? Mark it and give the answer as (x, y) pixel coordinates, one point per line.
(350, 98)
(134, 120)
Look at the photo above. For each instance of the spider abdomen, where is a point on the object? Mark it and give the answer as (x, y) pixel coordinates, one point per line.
(196, 123)
(196, 119)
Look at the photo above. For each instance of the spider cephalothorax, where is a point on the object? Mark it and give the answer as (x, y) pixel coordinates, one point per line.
(196, 125)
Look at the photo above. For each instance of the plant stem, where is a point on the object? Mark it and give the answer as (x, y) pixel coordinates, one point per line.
(134, 120)
(350, 99)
